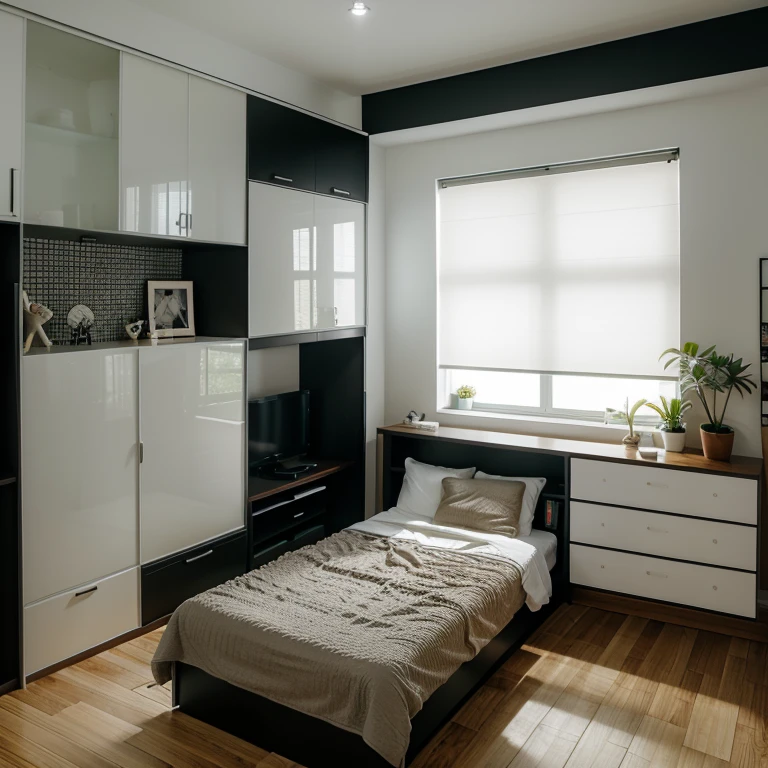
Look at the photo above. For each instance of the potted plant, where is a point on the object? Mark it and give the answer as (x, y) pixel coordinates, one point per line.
(672, 427)
(466, 396)
(631, 439)
(703, 372)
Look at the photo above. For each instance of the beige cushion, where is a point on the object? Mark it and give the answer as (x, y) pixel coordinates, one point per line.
(493, 506)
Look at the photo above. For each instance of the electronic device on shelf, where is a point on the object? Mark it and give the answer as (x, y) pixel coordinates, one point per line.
(278, 435)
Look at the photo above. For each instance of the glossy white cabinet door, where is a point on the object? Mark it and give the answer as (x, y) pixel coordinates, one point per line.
(193, 431)
(154, 144)
(11, 117)
(79, 468)
(281, 260)
(217, 162)
(340, 244)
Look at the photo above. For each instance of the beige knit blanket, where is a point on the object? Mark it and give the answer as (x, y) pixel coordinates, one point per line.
(356, 630)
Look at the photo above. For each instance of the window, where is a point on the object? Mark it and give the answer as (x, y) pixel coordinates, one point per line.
(559, 287)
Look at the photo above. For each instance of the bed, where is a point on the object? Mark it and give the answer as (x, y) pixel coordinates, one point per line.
(354, 651)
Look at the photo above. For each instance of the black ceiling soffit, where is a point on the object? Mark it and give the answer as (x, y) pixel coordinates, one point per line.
(733, 43)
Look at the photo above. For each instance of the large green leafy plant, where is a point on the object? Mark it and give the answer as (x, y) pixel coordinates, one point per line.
(707, 373)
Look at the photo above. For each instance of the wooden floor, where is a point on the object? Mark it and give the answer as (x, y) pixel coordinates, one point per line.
(591, 688)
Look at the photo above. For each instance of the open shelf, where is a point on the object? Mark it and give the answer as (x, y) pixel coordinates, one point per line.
(124, 344)
(262, 487)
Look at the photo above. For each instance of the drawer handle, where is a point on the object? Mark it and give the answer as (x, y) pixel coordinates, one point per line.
(656, 530)
(275, 177)
(656, 485)
(310, 492)
(337, 191)
(657, 574)
(88, 591)
(300, 514)
(199, 557)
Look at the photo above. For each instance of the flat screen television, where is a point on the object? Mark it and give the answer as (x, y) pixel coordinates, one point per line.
(278, 428)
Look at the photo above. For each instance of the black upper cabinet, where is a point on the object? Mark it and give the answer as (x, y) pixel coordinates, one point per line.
(281, 145)
(294, 149)
(341, 162)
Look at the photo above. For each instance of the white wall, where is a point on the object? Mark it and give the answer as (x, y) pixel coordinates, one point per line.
(374, 342)
(130, 25)
(723, 142)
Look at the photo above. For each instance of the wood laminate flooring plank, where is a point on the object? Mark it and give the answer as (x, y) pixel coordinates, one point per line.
(590, 689)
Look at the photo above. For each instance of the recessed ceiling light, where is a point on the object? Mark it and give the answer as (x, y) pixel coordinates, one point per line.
(359, 9)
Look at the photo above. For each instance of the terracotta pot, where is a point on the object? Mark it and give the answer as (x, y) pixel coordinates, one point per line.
(717, 445)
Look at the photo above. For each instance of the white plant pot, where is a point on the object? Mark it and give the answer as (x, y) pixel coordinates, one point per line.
(465, 403)
(673, 441)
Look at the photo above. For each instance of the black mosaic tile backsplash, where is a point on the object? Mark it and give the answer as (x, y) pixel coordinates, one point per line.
(110, 279)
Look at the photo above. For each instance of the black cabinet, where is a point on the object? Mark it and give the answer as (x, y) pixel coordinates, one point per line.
(281, 145)
(167, 583)
(294, 149)
(341, 162)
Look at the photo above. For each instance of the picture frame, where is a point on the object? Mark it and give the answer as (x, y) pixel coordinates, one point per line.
(170, 308)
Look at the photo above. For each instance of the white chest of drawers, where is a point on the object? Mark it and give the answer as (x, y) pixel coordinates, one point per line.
(661, 533)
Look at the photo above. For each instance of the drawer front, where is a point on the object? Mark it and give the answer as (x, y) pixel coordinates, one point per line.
(687, 493)
(74, 621)
(281, 546)
(699, 586)
(702, 541)
(165, 585)
(278, 516)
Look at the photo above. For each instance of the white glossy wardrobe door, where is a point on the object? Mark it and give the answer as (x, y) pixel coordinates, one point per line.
(340, 228)
(11, 118)
(79, 468)
(154, 146)
(281, 260)
(193, 432)
(217, 162)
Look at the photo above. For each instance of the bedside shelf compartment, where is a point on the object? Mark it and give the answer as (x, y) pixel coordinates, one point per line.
(698, 494)
(714, 589)
(166, 584)
(287, 511)
(680, 538)
(291, 541)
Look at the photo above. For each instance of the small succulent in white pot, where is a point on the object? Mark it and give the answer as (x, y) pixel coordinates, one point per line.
(672, 426)
(628, 414)
(466, 396)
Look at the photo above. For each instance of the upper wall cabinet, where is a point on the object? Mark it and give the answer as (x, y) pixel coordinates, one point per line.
(11, 119)
(72, 122)
(182, 152)
(296, 150)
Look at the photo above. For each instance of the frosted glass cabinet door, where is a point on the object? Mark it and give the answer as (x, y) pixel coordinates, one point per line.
(154, 146)
(193, 431)
(217, 161)
(281, 260)
(11, 118)
(79, 468)
(340, 270)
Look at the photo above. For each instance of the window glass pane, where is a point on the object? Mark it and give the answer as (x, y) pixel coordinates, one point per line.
(586, 393)
(522, 390)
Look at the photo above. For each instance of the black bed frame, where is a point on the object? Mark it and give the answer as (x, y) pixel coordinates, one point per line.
(315, 743)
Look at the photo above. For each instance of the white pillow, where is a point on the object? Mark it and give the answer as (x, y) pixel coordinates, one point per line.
(423, 486)
(533, 487)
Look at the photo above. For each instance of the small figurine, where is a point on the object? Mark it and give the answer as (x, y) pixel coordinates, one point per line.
(35, 316)
(80, 319)
(134, 329)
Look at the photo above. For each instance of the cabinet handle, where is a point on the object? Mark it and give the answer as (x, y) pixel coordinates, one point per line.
(185, 226)
(337, 191)
(656, 530)
(275, 177)
(309, 492)
(300, 514)
(658, 574)
(199, 557)
(141, 453)
(88, 591)
(14, 196)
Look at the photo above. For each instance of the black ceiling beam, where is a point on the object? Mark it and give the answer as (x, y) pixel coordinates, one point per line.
(733, 43)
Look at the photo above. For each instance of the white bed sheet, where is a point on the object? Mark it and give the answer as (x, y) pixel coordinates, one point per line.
(534, 554)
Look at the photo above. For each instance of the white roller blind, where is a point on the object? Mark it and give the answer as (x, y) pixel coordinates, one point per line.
(575, 271)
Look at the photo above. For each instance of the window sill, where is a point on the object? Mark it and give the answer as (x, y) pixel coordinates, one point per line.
(536, 418)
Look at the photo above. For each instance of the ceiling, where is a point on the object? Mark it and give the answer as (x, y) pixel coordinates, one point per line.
(406, 41)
